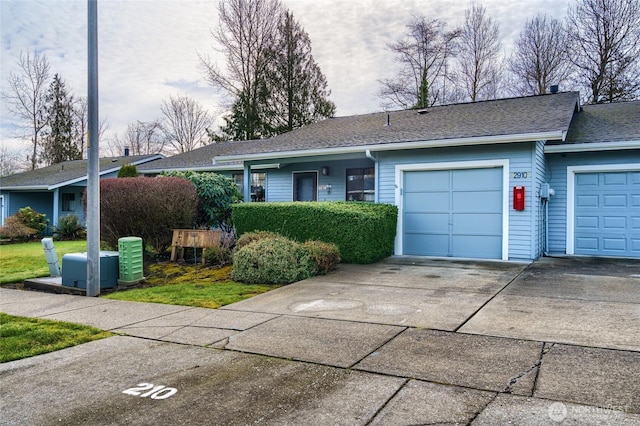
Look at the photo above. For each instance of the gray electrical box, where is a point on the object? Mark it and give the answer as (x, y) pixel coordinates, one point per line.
(74, 269)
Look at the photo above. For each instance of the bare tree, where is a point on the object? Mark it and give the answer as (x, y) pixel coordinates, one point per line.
(26, 96)
(247, 28)
(10, 162)
(142, 138)
(478, 57)
(605, 48)
(423, 54)
(540, 57)
(185, 123)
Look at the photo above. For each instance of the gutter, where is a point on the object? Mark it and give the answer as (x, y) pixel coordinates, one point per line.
(393, 146)
(595, 146)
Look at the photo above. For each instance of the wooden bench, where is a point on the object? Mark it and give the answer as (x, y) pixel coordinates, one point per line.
(196, 238)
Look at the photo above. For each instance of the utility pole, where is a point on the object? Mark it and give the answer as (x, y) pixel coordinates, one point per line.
(93, 148)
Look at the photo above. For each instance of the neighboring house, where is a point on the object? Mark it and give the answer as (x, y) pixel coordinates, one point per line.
(57, 190)
(458, 172)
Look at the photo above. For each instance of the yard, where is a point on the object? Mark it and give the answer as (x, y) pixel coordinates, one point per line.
(166, 282)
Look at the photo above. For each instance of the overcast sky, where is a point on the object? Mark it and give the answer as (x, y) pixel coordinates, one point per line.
(148, 49)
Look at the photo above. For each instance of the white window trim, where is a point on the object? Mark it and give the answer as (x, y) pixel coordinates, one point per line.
(571, 188)
(481, 164)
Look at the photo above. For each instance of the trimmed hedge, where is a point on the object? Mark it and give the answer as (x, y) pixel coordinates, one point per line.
(363, 232)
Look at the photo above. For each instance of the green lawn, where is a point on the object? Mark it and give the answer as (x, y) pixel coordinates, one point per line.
(190, 285)
(24, 337)
(19, 262)
(168, 282)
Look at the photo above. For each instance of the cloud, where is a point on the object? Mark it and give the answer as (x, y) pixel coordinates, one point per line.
(148, 50)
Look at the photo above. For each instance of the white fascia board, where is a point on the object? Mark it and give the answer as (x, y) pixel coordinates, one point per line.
(394, 146)
(595, 146)
(25, 188)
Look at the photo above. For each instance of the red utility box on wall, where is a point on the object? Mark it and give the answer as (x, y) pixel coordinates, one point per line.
(518, 198)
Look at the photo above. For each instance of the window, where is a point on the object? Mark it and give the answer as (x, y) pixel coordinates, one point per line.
(361, 184)
(258, 185)
(68, 202)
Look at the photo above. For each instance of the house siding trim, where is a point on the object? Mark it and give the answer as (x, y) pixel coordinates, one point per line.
(502, 163)
(571, 180)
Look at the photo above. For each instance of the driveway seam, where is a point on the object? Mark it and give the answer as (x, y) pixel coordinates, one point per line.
(378, 348)
(491, 298)
(384, 404)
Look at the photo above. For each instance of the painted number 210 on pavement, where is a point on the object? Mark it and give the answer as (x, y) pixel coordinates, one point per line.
(154, 392)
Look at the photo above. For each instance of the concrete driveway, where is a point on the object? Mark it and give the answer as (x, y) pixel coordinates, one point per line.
(405, 341)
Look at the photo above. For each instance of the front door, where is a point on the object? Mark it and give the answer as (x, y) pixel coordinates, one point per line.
(305, 186)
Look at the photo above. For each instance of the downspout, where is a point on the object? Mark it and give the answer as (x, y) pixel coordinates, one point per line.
(375, 162)
(56, 206)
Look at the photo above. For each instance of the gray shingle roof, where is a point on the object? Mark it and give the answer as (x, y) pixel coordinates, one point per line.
(503, 117)
(68, 171)
(615, 122)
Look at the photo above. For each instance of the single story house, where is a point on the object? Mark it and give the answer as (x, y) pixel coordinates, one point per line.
(57, 190)
(509, 179)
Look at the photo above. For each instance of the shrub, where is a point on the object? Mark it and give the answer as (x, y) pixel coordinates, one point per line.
(217, 256)
(364, 232)
(34, 220)
(69, 228)
(326, 255)
(128, 170)
(16, 230)
(272, 261)
(144, 207)
(251, 237)
(216, 195)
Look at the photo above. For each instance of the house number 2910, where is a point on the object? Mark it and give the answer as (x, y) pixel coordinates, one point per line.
(154, 392)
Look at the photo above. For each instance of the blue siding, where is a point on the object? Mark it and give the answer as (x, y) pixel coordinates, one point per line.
(557, 173)
(522, 225)
(538, 178)
(42, 202)
(280, 181)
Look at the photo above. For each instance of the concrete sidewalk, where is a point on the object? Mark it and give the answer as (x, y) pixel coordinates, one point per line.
(405, 341)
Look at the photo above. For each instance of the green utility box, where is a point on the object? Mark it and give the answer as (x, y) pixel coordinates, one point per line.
(131, 260)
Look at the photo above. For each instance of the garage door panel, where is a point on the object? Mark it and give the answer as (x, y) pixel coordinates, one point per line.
(482, 247)
(615, 179)
(428, 223)
(616, 200)
(474, 179)
(476, 202)
(426, 245)
(614, 244)
(607, 214)
(455, 213)
(426, 181)
(426, 201)
(468, 224)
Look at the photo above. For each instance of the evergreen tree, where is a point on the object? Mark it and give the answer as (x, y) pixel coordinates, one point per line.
(59, 144)
(295, 91)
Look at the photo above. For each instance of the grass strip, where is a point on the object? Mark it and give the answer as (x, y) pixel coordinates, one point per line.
(22, 337)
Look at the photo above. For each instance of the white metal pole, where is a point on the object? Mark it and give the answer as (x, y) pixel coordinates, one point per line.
(93, 148)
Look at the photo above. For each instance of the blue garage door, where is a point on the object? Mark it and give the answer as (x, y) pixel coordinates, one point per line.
(455, 213)
(607, 214)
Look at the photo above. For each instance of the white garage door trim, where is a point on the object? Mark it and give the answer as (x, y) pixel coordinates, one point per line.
(504, 163)
(571, 183)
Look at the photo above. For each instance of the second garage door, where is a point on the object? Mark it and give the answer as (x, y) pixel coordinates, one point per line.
(456, 213)
(607, 214)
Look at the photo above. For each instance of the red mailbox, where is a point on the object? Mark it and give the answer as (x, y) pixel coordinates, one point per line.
(518, 198)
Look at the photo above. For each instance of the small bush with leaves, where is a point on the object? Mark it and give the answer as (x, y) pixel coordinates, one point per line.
(327, 255)
(69, 228)
(273, 261)
(34, 220)
(15, 230)
(251, 237)
(128, 170)
(217, 256)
